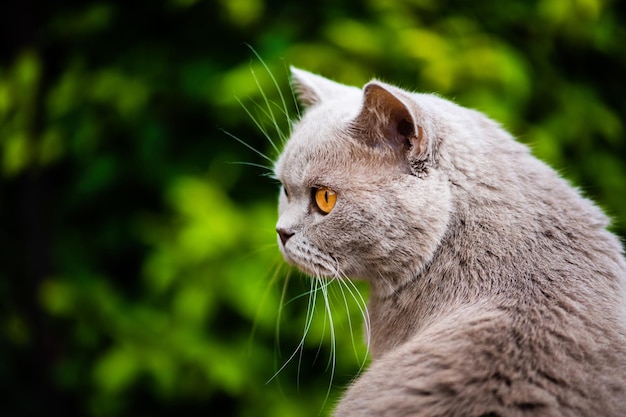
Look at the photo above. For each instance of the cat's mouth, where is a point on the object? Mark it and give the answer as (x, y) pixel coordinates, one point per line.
(310, 260)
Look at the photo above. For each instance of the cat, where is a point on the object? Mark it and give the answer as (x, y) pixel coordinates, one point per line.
(495, 287)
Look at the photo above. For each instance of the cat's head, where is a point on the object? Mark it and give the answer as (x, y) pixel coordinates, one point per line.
(363, 195)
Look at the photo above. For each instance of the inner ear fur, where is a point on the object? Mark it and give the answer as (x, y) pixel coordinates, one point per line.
(388, 119)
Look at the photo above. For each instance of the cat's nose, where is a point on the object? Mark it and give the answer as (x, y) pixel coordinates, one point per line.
(284, 235)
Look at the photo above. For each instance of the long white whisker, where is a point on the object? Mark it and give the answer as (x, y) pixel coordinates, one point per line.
(252, 164)
(348, 315)
(294, 98)
(309, 319)
(280, 94)
(279, 131)
(354, 291)
(362, 306)
(270, 115)
(253, 149)
(328, 314)
(304, 294)
(266, 113)
(281, 135)
(307, 326)
(277, 269)
(323, 286)
(258, 125)
(333, 351)
(321, 341)
(280, 310)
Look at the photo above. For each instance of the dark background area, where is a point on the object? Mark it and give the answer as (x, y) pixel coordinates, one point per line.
(139, 273)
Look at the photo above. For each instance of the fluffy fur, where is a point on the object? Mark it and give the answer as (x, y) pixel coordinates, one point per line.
(496, 289)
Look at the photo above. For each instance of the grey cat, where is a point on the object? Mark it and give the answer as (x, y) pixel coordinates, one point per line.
(496, 289)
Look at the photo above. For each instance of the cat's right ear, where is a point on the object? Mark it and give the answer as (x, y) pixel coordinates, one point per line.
(389, 118)
(312, 89)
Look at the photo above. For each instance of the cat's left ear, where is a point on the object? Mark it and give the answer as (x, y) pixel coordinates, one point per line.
(389, 118)
(313, 89)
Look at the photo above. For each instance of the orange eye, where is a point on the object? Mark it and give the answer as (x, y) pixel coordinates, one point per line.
(325, 199)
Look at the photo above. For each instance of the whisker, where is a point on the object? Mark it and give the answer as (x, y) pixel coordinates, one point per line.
(309, 320)
(307, 326)
(280, 309)
(319, 282)
(362, 306)
(252, 164)
(345, 303)
(294, 98)
(333, 348)
(258, 124)
(280, 94)
(304, 294)
(271, 115)
(253, 149)
(277, 267)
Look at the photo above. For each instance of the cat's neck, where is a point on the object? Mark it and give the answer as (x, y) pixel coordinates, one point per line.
(419, 303)
(494, 258)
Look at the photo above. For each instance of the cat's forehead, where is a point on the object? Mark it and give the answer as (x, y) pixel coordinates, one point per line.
(323, 151)
(318, 147)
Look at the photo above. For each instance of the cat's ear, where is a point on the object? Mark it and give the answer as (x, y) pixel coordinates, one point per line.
(389, 118)
(312, 89)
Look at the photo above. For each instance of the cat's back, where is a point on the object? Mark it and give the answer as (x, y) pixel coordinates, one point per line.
(507, 361)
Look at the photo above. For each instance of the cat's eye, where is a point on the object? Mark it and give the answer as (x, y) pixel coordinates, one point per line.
(325, 199)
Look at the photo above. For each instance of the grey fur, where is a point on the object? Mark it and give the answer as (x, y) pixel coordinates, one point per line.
(496, 289)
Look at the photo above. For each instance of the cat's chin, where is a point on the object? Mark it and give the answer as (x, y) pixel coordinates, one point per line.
(315, 270)
(310, 260)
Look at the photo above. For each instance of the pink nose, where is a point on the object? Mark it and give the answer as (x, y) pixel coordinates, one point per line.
(284, 235)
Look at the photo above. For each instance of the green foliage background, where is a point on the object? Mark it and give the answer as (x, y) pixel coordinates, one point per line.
(139, 273)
